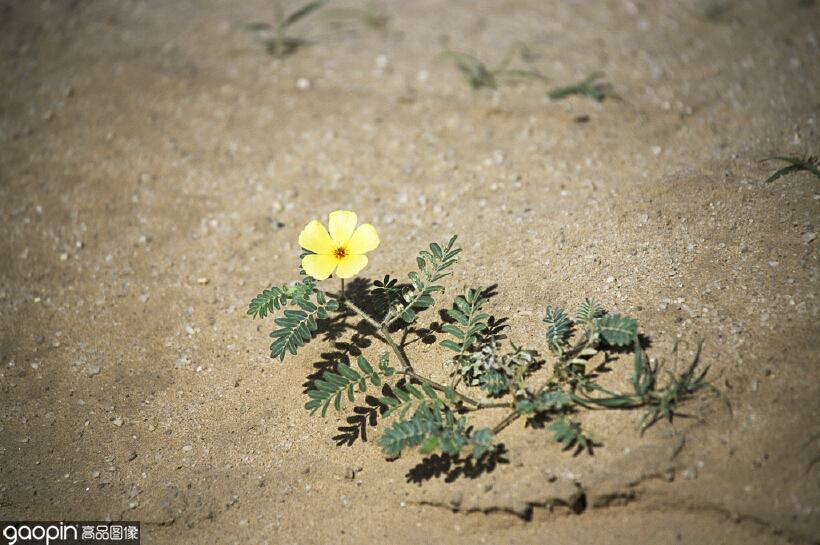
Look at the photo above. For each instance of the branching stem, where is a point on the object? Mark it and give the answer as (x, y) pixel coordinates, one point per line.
(388, 320)
(382, 329)
(441, 388)
(513, 416)
(509, 419)
(407, 369)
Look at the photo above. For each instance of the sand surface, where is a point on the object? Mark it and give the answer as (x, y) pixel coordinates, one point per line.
(156, 168)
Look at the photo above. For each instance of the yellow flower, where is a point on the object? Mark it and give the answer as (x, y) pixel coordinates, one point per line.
(342, 249)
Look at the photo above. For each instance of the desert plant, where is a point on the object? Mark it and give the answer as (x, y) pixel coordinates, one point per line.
(598, 91)
(795, 164)
(275, 37)
(478, 75)
(432, 416)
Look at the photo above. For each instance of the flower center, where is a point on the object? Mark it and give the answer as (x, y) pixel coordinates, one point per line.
(340, 252)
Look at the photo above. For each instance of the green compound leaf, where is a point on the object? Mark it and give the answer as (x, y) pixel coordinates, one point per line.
(470, 321)
(267, 301)
(559, 329)
(549, 401)
(407, 434)
(494, 383)
(344, 381)
(297, 327)
(590, 310)
(618, 330)
(433, 266)
(435, 428)
(403, 399)
(278, 296)
(569, 433)
(482, 442)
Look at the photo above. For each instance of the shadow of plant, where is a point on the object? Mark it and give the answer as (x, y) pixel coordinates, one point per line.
(363, 416)
(453, 468)
(342, 353)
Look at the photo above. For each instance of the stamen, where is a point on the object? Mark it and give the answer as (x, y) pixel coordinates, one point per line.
(340, 252)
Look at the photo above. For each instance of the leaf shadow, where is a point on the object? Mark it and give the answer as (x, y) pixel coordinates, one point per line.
(452, 468)
(329, 361)
(363, 416)
(332, 328)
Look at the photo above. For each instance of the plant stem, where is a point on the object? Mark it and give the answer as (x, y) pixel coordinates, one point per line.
(396, 349)
(362, 314)
(382, 330)
(568, 355)
(407, 369)
(477, 404)
(388, 320)
(509, 419)
(494, 405)
(440, 387)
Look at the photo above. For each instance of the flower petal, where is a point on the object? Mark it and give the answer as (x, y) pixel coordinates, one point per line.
(364, 240)
(319, 266)
(341, 224)
(351, 265)
(314, 238)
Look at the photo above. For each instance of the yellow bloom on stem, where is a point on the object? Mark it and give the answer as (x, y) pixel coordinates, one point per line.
(341, 250)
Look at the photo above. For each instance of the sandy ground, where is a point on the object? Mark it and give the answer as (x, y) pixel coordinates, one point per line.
(156, 168)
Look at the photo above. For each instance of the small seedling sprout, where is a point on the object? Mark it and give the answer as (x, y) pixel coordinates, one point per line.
(478, 75)
(795, 164)
(275, 38)
(598, 91)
